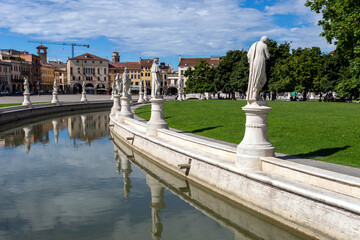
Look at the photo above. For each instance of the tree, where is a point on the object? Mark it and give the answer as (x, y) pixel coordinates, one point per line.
(341, 25)
(222, 79)
(278, 57)
(200, 79)
(239, 76)
(301, 71)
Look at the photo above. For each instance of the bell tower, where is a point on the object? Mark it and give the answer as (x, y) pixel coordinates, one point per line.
(42, 53)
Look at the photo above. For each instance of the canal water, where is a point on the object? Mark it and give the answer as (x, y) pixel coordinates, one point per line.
(69, 178)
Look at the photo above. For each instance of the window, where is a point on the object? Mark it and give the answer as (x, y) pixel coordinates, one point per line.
(77, 61)
(182, 72)
(132, 76)
(142, 74)
(165, 76)
(104, 70)
(100, 62)
(78, 70)
(79, 78)
(85, 61)
(98, 70)
(104, 78)
(98, 78)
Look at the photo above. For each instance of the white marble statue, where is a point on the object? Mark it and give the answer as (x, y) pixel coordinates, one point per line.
(125, 83)
(26, 85)
(141, 87)
(83, 86)
(156, 79)
(257, 56)
(118, 84)
(55, 87)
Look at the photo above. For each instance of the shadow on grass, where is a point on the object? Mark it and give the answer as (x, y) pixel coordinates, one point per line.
(325, 152)
(205, 129)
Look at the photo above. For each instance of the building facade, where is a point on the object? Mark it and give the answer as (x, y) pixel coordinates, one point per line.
(185, 63)
(92, 69)
(5, 76)
(60, 76)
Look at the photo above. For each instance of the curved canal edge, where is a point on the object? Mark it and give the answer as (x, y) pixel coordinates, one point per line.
(320, 203)
(17, 113)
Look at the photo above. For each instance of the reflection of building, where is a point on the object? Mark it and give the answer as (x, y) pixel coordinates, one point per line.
(92, 69)
(88, 127)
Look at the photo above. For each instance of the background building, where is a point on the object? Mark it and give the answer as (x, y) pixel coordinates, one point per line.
(185, 63)
(5, 76)
(92, 69)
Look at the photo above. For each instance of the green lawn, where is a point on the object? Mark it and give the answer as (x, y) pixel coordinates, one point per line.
(17, 104)
(324, 131)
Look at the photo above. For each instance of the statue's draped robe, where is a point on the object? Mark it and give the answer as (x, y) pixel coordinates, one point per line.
(257, 55)
(156, 80)
(126, 84)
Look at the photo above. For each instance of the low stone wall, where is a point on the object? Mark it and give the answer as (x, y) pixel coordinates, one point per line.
(308, 206)
(240, 220)
(12, 114)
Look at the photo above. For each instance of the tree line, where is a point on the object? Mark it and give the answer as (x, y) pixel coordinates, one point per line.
(302, 69)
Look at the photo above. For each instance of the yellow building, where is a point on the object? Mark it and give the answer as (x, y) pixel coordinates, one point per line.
(133, 69)
(145, 65)
(47, 77)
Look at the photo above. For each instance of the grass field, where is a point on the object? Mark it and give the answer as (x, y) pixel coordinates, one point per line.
(323, 131)
(17, 104)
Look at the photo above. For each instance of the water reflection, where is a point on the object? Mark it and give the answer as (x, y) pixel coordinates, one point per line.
(243, 222)
(85, 127)
(68, 186)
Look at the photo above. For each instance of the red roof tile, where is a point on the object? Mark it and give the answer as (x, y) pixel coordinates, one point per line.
(190, 62)
(146, 62)
(88, 56)
(122, 65)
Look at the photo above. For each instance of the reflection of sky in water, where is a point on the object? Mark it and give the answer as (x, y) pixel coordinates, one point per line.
(71, 190)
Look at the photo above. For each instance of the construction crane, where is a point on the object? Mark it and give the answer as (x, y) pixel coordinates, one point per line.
(62, 43)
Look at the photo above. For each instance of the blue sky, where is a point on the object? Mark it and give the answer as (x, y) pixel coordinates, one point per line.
(156, 28)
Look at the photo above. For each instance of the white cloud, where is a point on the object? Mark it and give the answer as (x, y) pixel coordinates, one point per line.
(156, 27)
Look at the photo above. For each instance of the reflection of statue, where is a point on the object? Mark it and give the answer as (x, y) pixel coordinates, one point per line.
(26, 85)
(126, 83)
(156, 79)
(257, 55)
(157, 203)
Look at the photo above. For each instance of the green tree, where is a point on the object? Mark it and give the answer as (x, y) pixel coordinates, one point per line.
(200, 79)
(301, 71)
(341, 26)
(279, 53)
(223, 81)
(239, 75)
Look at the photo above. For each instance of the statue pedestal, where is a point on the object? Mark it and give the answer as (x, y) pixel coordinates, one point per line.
(255, 143)
(116, 105)
(125, 109)
(83, 97)
(27, 101)
(55, 99)
(157, 120)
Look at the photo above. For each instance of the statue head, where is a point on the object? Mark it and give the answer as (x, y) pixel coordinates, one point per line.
(125, 71)
(264, 39)
(156, 60)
